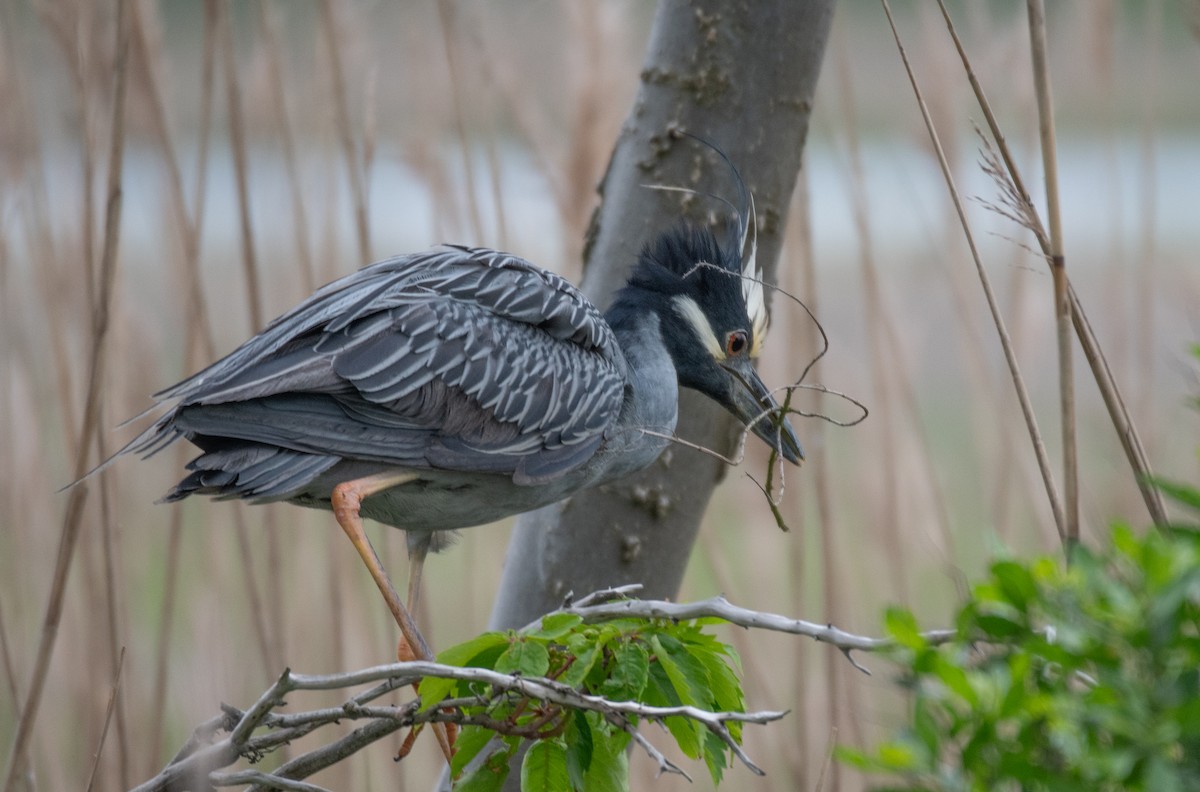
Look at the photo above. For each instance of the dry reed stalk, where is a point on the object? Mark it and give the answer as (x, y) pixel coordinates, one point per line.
(113, 698)
(880, 329)
(73, 518)
(446, 16)
(237, 139)
(985, 282)
(1147, 247)
(67, 30)
(249, 578)
(10, 671)
(496, 179)
(70, 25)
(1058, 267)
(266, 610)
(801, 219)
(163, 643)
(587, 148)
(1118, 412)
(833, 666)
(110, 546)
(268, 32)
(195, 304)
(354, 168)
(832, 745)
(199, 346)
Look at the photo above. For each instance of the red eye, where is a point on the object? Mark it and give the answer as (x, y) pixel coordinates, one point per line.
(735, 342)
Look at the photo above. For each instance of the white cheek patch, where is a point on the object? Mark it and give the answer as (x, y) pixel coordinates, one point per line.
(694, 317)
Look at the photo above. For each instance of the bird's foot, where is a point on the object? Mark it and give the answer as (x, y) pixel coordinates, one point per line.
(405, 654)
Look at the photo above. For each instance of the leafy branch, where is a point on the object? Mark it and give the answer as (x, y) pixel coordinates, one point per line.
(576, 684)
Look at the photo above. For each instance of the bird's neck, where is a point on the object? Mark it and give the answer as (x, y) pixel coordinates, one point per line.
(652, 384)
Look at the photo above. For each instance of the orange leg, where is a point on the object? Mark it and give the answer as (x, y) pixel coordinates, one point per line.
(347, 499)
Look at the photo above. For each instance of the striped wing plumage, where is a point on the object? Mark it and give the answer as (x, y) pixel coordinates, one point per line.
(457, 358)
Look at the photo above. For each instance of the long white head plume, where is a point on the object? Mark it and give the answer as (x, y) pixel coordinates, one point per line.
(752, 285)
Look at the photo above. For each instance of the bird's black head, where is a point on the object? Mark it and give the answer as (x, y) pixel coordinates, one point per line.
(709, 301)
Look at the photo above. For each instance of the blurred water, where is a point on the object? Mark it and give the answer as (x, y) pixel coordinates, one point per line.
(1111, 188)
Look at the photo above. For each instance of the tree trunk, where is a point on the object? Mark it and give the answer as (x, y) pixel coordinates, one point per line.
(742, 76)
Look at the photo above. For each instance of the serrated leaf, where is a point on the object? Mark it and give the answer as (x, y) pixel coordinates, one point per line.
(545, 768)
(715, 756)
(630, 670)
(660, 692)
(686, 673)
(556, 625)
(580, 747)
(609, 771)
(524, 657)
(724, 685)
(585, 660)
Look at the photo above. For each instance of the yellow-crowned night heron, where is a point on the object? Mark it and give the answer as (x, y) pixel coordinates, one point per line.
(451, 388)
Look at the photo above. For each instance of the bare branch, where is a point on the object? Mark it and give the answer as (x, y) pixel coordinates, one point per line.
(721, 608)
(250, 734)
(203, 758)
(258, 777)
(665, 765)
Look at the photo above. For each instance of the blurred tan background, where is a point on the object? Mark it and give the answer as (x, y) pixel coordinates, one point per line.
(487, 123)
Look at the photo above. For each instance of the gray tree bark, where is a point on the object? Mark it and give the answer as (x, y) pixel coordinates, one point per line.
(741, 75)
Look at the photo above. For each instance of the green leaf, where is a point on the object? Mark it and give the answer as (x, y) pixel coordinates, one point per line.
(524, 657)
(434, 690)
(715, 756)
(956, 680)
(898, 756)
(1180, 493)
(580, 747)
(490, 776)
(660, 692)
(585, 660)
(1015, 583)
(471, 740)
(463, 654)
(724, 685)
(609, 771)
(475, 653)
(630, 670)
(902, 626)
(545, 768)
(686, 673)
(996, 626)
(557, 625)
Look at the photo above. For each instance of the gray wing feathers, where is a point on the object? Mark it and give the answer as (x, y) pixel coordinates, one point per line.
(456, 358)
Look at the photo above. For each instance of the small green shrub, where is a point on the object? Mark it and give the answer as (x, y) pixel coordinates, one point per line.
(1079, 677)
